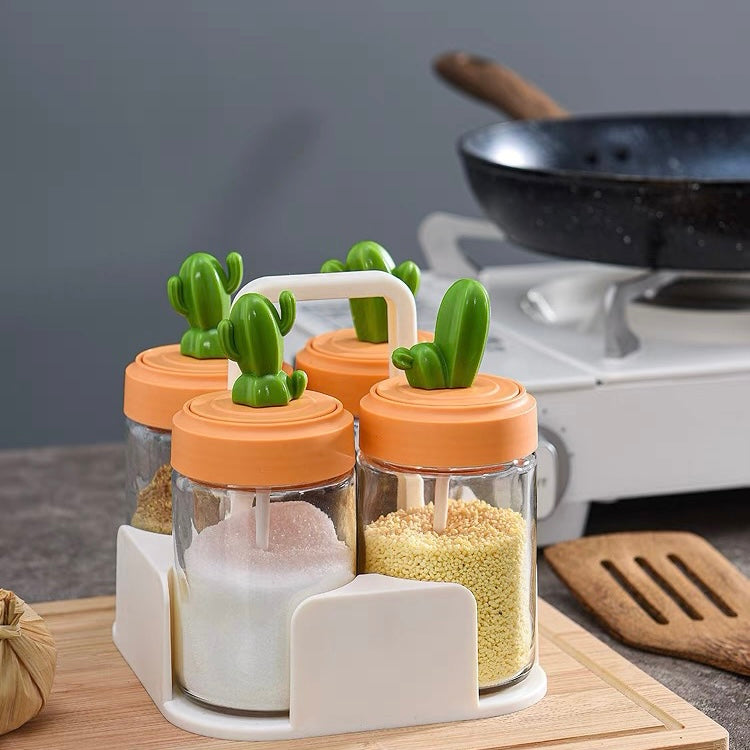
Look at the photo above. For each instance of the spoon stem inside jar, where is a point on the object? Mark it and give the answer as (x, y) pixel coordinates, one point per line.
(262, 518)
(440, 514)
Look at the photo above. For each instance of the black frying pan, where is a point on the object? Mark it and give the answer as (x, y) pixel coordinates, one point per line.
(659, 191)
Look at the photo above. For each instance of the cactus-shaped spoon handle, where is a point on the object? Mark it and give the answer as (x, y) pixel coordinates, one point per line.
(201, 292)
(252, 336)
(369, 314)
(453, 358)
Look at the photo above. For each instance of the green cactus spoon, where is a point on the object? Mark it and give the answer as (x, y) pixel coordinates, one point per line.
(200, 292)
(252, 337)
(369, 314)
(453, 358)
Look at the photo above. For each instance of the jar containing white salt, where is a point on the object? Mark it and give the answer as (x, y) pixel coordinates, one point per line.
(447, 482)
(264, 516)
(160, 380)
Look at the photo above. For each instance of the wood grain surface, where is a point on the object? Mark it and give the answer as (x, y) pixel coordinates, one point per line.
(497, 85)
(668, 592)
(596, 701)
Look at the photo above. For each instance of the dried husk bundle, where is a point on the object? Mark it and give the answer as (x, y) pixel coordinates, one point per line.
(27, 662)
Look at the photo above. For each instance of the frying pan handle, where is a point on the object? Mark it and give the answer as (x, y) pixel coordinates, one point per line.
(439, 235)
(494, 84)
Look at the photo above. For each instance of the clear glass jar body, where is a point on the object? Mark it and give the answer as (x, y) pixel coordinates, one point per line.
(244, 560)
(148, 486)
(487, 543)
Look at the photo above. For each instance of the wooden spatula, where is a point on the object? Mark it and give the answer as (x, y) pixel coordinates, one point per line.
(669, 592)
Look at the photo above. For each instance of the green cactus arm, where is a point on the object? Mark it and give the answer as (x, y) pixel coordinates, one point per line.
(297, 383)
(461, 329)
(225, 329)
(234, 275)
(409, 273)
(288, 306)
(332, 266)
(174, 292)
(424, 365)
(402, 358)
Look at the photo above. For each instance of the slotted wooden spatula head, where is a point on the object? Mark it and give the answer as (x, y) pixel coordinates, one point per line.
(669, 592)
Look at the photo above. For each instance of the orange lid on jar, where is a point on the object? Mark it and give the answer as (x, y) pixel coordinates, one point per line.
(339, 364)
(161, 380)
(219, 442)
(492, 422)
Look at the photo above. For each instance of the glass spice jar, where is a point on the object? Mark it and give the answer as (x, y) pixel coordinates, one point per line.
(162, 379)
(446, 482)
(346, 363)
(157, 384)
(264, 516)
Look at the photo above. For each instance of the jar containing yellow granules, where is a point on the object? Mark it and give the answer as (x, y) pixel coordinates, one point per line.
(447, 482)
(160, 380)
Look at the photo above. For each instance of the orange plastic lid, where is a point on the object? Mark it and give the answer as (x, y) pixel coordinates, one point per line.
(491, 423)
(339, 364)
(308, 441)
(161, 380)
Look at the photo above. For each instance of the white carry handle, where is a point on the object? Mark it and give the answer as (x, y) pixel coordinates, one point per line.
(402, 312)
(439, 234)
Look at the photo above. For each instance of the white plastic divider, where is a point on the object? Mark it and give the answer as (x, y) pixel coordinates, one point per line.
(376, 653)
(402, 312)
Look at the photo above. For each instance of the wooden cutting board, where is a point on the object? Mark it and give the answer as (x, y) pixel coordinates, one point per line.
(596, 701)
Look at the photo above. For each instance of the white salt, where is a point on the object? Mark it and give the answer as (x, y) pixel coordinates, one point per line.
(235, 603)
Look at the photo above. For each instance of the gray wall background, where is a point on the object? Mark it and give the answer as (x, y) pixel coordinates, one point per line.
(135, 132)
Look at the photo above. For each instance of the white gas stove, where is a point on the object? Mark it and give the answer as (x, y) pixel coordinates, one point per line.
(639, 392)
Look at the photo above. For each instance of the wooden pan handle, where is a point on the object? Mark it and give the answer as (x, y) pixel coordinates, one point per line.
(502, 87)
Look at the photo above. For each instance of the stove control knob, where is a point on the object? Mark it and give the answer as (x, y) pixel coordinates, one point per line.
(551, 472)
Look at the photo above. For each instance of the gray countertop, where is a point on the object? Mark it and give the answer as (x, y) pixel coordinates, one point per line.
(61, 508)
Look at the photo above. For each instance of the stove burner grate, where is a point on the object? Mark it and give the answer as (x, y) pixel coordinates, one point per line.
(703, 293)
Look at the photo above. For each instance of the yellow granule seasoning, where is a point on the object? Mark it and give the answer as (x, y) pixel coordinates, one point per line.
(154, 509)
(483, 548)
